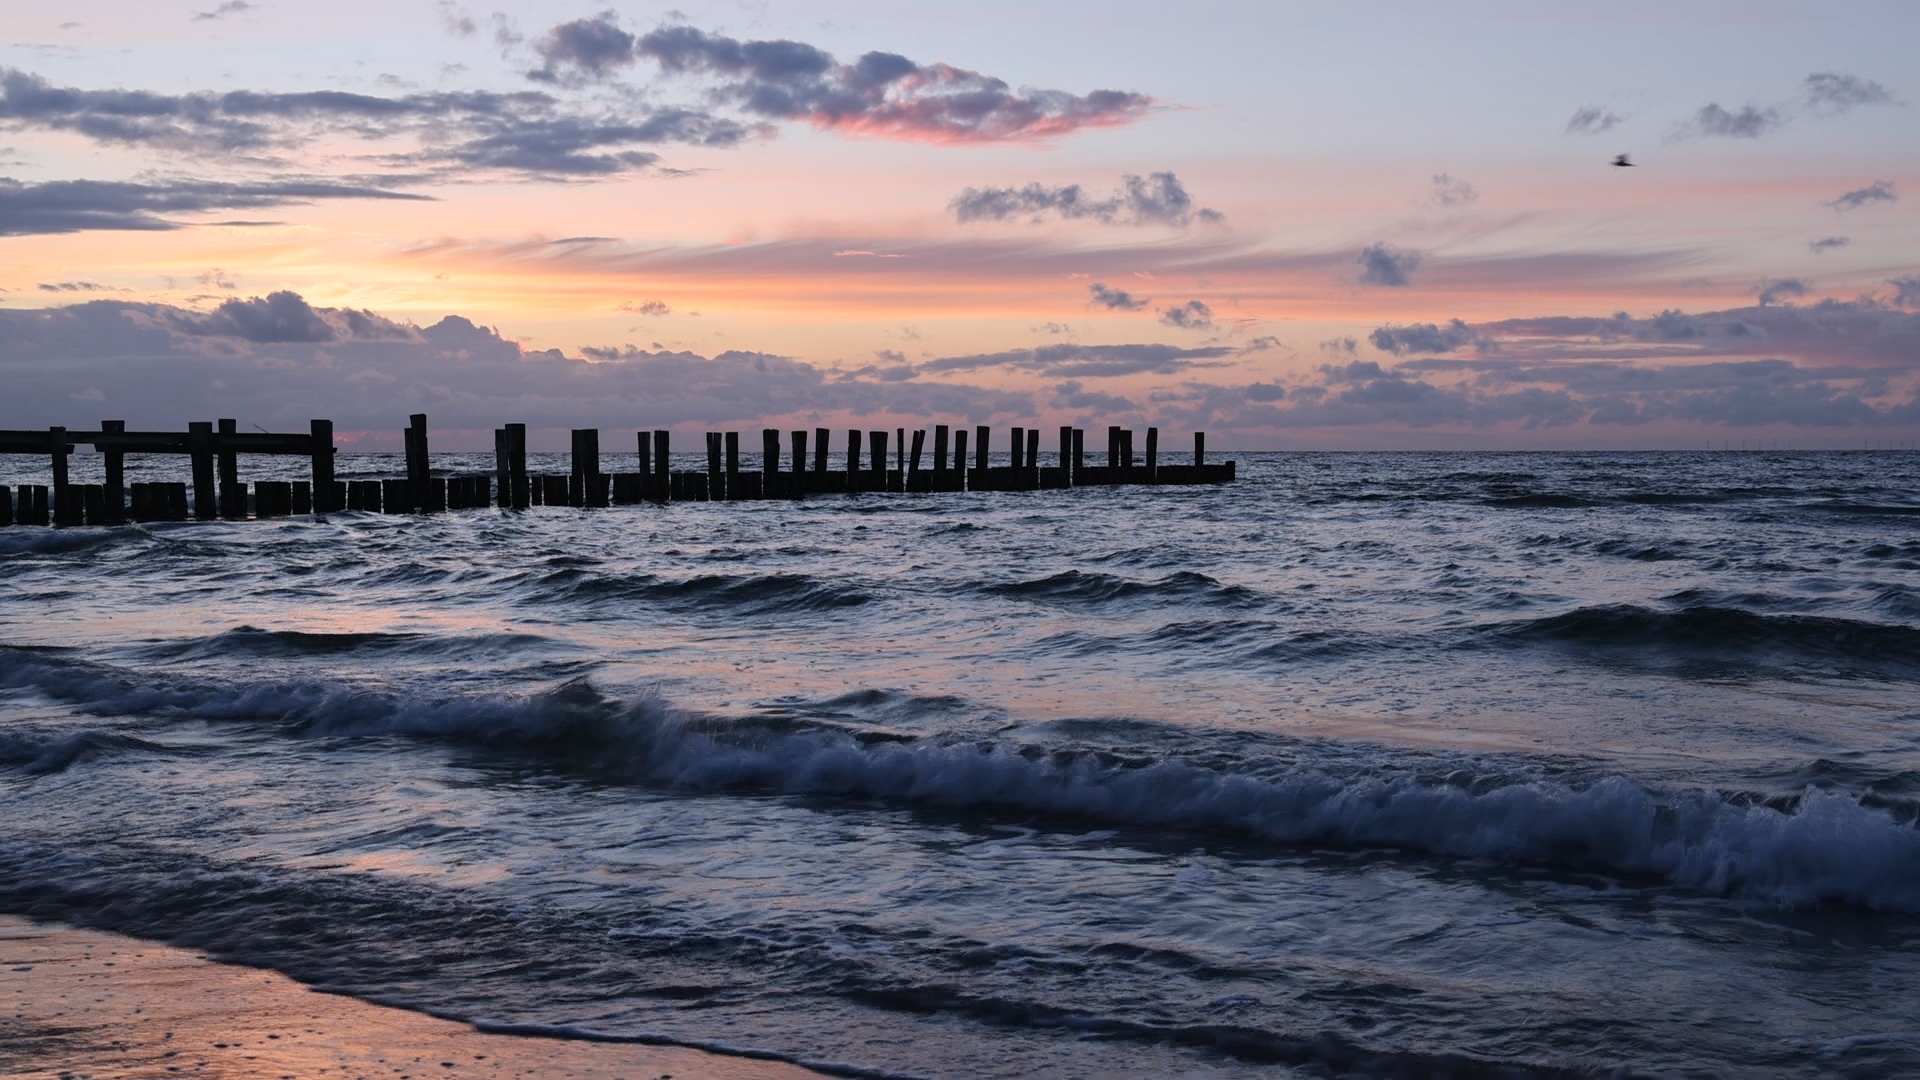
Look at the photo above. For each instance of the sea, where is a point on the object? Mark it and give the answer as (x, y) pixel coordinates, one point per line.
(1378, 765)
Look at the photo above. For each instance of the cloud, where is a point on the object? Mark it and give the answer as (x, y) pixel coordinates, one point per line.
(1449, 192)
(1908, 291)
(231, 7)
(525, 132)
(1192, 315)
(1158, 199)
(1878, 191)
(880, 94)
(458, 20)
(1340, 346)
(1831, 92)
(72, 286)
(1828, 243)
(647, 307)
(1772, 290)
(1422, 337)
(1381, 265)
(1115, 299)
(1086, 361)
(1827, 333)
(591, 48)
(1712, 121)
(1593, 120)
(67, 206)
(275, 361)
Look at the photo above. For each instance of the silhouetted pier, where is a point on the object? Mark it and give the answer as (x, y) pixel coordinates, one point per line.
(873, 461)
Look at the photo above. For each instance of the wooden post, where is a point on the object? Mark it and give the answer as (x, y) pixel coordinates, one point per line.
(65, 508)
(517, 465)
(877, 447)
(799, 463)
(115, 494)
(1126, 450)
(1079, 449)
(769, 453)
(1153, 454)
(939, 452)
(6, 505)
(1113, 446)
(900, 456)
(716, 486)
(983, 433)
(919, 447)
(418, 471)
(734, 487)
(1199, 448)
(819, 450)
(206, 500)
(960, 460)
(662, 470)
(646, 455)
(1066, 455)
(1019, 444)
(1033, 455)
(229, 459)
(853, 459)
(324, 492)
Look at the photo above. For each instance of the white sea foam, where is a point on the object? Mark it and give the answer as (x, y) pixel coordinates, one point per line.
(1830, 848)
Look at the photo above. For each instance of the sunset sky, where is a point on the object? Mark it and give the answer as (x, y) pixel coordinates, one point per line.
(1340, 225)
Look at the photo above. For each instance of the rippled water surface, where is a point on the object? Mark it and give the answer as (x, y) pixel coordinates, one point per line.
(1366, 764)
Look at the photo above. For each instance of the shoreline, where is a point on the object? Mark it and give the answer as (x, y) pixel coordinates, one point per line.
(90, 1005)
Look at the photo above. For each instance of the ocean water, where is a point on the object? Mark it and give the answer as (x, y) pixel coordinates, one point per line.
(1378, 765)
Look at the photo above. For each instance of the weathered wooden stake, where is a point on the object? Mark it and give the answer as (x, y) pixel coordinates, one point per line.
(114, 491)
(983, 433)
(418, 471)
(960, 460)
(716, 485)
(819, 450)
(517, 463)
(1033, 455)
(853, 458)
(1113, 446)
(206, 502)
(1199, 448)
(1066, 455)
(1153, 454)
(877, 446)
(229, 459)
(1079, 450)
(769, 452)
(645, 440)
(940, 450)
(662, 470)
(325, 494)
(919, 447)
(65, 512)
(1014, 454)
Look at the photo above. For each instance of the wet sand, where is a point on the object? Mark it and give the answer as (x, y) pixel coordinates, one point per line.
(81, 1004)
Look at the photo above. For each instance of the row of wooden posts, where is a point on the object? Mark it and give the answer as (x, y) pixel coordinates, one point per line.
(218, 492)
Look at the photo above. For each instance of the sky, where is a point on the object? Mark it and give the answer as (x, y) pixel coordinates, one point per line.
(1354, 225)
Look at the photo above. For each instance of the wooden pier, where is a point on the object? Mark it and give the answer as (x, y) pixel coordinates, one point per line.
(217, 492)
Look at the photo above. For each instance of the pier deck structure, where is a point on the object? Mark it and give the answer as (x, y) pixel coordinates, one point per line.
(788, 470)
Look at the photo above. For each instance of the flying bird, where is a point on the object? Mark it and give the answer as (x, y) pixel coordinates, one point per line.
(1620, 162)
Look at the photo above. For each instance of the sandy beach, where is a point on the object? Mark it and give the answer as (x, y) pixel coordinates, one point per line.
(81, 1004)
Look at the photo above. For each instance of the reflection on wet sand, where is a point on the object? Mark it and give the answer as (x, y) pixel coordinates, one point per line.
(79, 1004)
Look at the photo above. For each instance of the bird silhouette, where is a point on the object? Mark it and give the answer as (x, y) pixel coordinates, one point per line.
(1620, 162)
